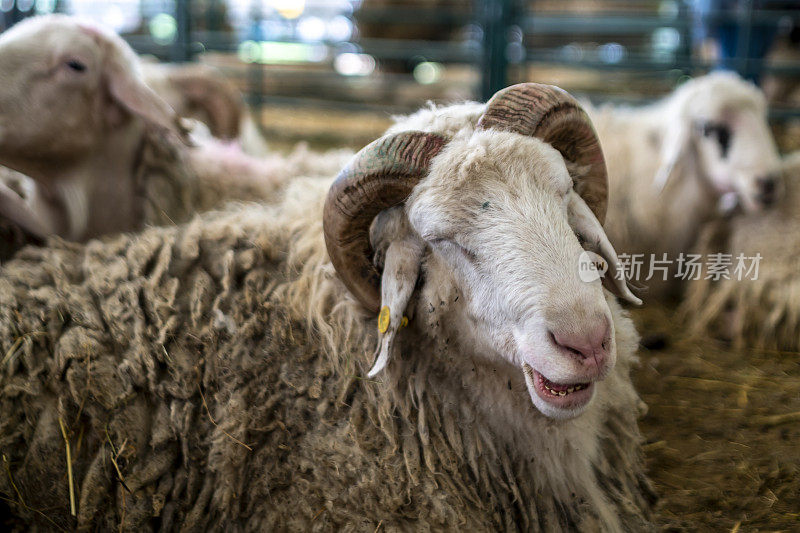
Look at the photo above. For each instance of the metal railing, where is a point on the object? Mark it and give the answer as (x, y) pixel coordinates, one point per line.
(498, 41)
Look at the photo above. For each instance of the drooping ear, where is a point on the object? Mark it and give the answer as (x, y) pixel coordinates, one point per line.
(401, 262)
(128, 92)
(210, 98)
(594, 239)
(380, 176)
(675, 146)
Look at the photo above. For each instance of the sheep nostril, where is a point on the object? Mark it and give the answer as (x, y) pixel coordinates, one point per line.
(768, 187)
(590, 344)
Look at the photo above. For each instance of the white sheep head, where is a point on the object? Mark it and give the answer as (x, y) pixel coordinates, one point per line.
(72, 103)
(718, 123)
(491, 220)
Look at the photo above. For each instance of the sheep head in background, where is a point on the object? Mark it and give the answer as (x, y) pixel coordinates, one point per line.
(199, 92)
(73, 114)
(202, 93)
(718, 123)
(493, 220)
(680, 163)
(106, 153)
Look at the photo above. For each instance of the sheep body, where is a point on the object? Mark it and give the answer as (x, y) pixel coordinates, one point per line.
(763, 312)
(218, 363)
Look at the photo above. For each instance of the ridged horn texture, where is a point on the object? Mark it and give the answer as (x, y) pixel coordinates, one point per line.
(380, 176)
(554, 116)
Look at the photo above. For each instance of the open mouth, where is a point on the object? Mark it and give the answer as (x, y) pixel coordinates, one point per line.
(564, 395)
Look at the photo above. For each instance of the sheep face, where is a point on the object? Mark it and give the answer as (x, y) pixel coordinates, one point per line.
(492, 218)
(65, 87)
(47, 79)
(494, 213)
(722, 127)
(738, 154)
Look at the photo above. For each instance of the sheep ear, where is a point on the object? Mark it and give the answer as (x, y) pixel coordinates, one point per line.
(674, 147)
(400, 272)
(585, 224)
(130, 93)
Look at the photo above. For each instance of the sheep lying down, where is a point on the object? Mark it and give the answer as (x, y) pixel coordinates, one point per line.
(683, 162)
(763, 309)
(214, 375)
(104, 153)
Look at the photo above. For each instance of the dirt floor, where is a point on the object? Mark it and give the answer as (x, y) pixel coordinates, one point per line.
(723, 432)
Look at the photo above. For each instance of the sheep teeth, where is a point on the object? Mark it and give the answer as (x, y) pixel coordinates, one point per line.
(569, 390)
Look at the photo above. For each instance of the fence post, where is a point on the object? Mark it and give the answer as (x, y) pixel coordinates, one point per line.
(496, 18)
(182, 47)
(744, 31)
(685, 59)
(255, 71)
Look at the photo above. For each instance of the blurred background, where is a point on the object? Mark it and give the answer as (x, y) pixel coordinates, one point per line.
(333, 71)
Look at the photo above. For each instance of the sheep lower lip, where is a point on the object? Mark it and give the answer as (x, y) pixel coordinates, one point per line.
(559, 394)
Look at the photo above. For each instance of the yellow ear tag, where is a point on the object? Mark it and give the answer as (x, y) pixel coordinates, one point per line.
(404, 322)
(383, 319)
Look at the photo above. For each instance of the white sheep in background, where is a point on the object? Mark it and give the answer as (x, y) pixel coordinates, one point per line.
(105, 152)
(670, 165)
(220, 363)
(202, 93)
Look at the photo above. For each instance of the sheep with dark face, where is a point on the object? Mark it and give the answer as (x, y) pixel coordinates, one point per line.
(672, 165)
(105, 152)
(211, 376)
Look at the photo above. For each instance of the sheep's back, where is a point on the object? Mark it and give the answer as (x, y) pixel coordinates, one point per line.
(189, 396)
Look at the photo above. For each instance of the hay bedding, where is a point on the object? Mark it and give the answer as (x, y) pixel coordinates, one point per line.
(722, 433)
(191, 399)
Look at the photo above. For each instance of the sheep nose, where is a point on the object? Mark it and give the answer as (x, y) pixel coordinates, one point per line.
(767, 189)
(588, 345)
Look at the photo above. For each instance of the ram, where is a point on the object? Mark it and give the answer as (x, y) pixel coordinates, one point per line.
(685, 161)
(255, 370)
(105, 153)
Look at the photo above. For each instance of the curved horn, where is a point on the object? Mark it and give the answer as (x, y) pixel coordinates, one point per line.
(554, 116)
(380, 176)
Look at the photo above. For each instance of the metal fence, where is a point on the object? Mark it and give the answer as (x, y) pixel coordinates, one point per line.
(390, 54)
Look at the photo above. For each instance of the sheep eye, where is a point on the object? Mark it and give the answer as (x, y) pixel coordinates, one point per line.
(76, 65)
(722, 133)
